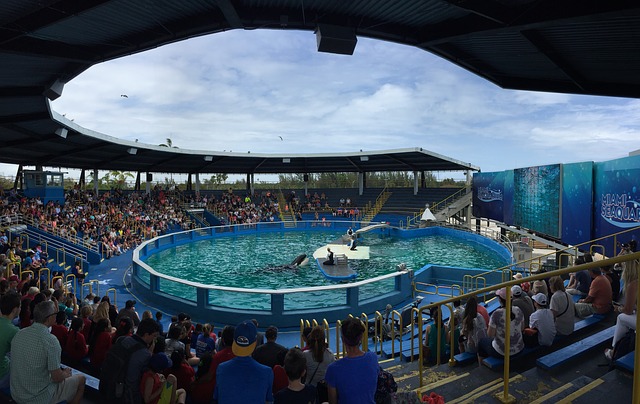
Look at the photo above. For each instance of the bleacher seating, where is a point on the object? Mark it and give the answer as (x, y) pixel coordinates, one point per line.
(626, 362)
(494, 363)
(571, 352)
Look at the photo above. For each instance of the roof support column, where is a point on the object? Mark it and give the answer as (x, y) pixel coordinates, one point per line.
(250, 179)
(95, 181)
(147, 184)
(137, 186)
(415, 183)
(306, 183)
(198, 183)
(360, 183)
(82, 181)
(18, 180)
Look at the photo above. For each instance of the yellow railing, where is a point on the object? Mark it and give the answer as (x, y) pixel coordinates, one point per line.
(412, 220)
(536, 262)
(372, 210)
(504, 395)
(115, 296)
(449, 199)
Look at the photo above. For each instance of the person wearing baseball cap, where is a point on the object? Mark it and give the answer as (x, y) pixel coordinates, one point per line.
(523, 302)
(542, 329)
(494, 344)
(242, 379)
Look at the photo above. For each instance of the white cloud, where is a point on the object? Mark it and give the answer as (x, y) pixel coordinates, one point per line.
(240, 90)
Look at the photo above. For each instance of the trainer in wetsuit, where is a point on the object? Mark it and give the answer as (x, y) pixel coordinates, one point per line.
(329, 260)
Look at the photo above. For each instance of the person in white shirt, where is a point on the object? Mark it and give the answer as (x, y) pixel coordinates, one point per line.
(543, 321)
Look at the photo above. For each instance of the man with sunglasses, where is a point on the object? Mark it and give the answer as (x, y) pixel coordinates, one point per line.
(36, 374)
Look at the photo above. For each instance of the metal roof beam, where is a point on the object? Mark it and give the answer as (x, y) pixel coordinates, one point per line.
(547, 49)
(156, 167)
(25, 91)
(230, 14)
(489, 10)
(46, 158)
(33, 116)
(545, 13)
(51, 13)
(50, 50)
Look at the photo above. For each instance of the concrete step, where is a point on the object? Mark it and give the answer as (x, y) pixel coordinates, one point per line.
(567, 391)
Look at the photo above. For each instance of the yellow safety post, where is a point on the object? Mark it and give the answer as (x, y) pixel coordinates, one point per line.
(114, 300)
(75, 282)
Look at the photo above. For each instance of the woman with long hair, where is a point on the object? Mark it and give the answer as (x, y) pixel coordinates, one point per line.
(102, 312)
(430, 343)
(562, 306)
(318, 356)
(473, 327)
(99, 343)
(626, 318)
(76, 347)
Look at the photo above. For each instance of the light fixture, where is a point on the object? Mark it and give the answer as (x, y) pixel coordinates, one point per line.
(364, 158)
(132, 150)
(286, 160)
(62, 132)
(208, 158)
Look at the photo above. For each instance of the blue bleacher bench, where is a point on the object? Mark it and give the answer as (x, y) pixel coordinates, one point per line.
(574, 350)
(626, 362)
(495, 363)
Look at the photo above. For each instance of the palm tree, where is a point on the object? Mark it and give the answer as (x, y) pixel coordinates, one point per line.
(168, 144)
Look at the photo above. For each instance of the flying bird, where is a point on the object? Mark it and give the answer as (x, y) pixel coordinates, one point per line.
(281, 138)
(124, 96)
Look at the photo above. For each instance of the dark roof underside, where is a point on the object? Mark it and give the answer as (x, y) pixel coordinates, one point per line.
(574, 46)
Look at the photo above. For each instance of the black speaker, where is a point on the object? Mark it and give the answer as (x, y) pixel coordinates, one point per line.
(306, 178)
(54, 91)
(149, 177)
(336, 39)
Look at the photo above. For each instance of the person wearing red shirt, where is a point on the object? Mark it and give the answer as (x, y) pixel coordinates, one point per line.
(76, 347)
(59, 329)
(181, 369)
(99, 344)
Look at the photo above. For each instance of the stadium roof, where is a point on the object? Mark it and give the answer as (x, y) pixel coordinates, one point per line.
(574, 46)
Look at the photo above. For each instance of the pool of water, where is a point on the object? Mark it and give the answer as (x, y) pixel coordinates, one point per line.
(244, 261)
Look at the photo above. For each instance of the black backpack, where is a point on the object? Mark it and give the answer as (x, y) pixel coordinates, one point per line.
(114, 369)
(625, 345)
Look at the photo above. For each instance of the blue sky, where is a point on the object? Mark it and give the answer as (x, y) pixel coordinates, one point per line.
(242, 90)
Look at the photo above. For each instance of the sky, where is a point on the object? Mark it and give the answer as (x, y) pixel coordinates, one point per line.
(245, 90)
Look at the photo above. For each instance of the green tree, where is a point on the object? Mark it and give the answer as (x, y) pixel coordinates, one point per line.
(169, 144)
(119, 178)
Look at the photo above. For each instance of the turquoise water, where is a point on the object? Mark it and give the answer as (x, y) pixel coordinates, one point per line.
(243, 262)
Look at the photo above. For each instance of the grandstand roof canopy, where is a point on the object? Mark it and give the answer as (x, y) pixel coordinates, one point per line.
(573, 46)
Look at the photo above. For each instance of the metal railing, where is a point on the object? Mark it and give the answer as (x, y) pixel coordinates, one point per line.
(508, 284)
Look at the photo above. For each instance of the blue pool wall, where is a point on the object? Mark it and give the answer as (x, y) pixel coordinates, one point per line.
(147, 286)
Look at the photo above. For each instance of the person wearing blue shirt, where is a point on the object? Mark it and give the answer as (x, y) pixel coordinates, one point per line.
(242, 379)
(354, 378)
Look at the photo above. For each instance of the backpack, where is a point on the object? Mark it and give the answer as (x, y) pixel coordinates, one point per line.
(625, 345)
(114, 369)
(386, 386)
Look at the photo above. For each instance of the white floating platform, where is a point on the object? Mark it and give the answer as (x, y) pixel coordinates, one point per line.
(360, 253)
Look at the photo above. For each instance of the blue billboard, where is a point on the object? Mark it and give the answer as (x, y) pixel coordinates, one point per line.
(577, 202)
